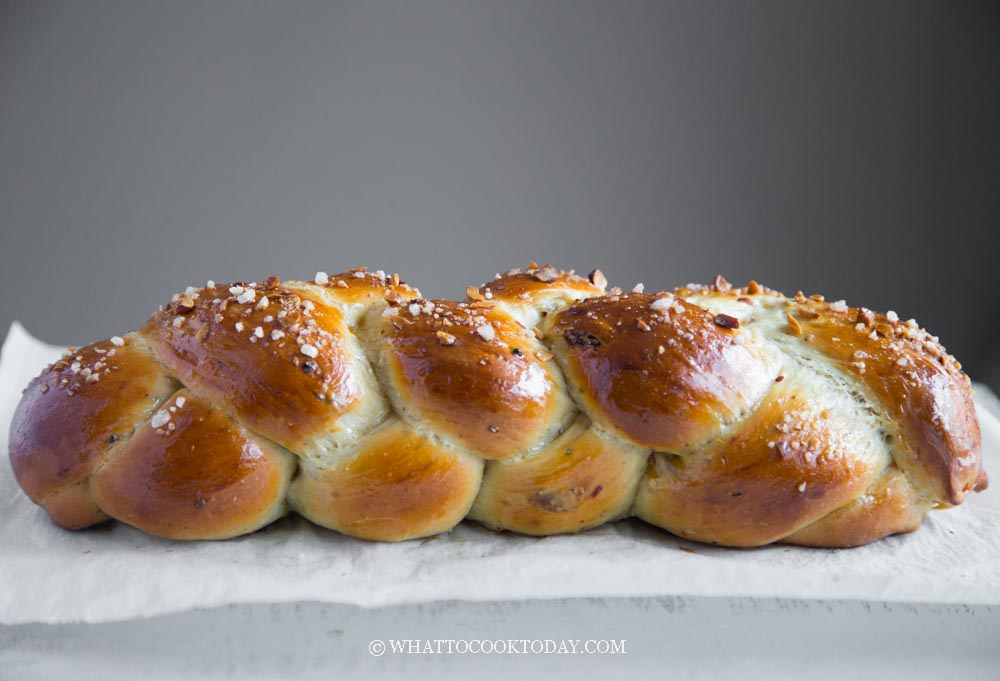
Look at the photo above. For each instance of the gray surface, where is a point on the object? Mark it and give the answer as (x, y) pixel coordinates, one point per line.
(669, 638)
(844, 147)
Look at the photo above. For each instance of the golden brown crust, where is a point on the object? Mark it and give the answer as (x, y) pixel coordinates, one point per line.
(656, 369)
(534, 283)
(728, 415)
(472, 374)
(890, 506)
(922, 387)
(73, 507)
(202, 476)
(398, 485)
(274, 358)
(583, 479)
(359, 288)
(80, 409)
(789, 464)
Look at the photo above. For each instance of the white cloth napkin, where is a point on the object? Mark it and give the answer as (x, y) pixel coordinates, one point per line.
(116, 573)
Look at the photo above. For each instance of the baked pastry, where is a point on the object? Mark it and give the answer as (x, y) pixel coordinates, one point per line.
(542, 404)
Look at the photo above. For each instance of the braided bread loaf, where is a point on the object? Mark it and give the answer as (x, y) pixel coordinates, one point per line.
(543, 404)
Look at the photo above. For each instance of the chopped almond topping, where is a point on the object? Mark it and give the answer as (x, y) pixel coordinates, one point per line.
(795, 326)
(547, 274)
(885, 330)
(664, 304)
(538, 332)
(642, 325)
(598, 279)
(473, 293)
(395, 279)
(445, 338)
(544, 355)
(720, 283)
(202, 332)
(185, 303)
(753, 288)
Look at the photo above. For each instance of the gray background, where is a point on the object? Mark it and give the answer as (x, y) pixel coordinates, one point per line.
(848, 148)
